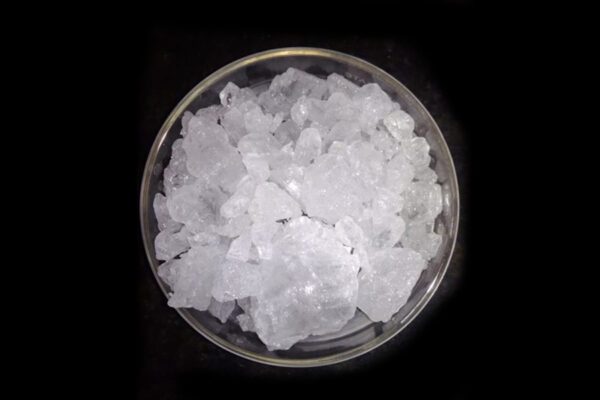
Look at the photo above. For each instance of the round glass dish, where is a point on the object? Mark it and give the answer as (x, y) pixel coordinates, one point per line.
(360, 335)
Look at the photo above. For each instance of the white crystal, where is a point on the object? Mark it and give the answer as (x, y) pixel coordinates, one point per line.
(236, 280)
(240, 247)
(308, 146)
(257, 167)
(421, 238)
(337, 83)
(400, 125)
(169, 244)
(176, 174)
(399, 173)
(386, 288)
(220, 310)
(422, 201)
(270, 203)
(238, 203)
(416, 151)
(192, 277)
(374, 105)
(350, 234)
(235, 226)
(257, 122)
(289, 178)
(330, 190)
(426, 174)
(210, 157)
(161, 212)
(343, 131)
(262, 234)
(309, 287)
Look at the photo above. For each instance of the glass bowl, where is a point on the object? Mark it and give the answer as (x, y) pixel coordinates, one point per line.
(360, 335)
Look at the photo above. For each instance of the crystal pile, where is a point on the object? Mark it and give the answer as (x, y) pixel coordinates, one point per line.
(286, 210)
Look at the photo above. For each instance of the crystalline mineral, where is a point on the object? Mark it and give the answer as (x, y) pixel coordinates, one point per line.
(308, 146)
(338, 84)
(300, 203)
(210, 157)
(238, 203)
(270, 203)
(161, 212)
(309, 286)
(330, 191)
(192, 277)
(221, 311)
(400, 125)
(239, 249)
(169, 244)
(257, 166)
(416, 151)
(421, 238)
(386, 288)
(235, 280)
(262, 234)
(399, 173)
(343, 131)
(422, 201)
(176, 174)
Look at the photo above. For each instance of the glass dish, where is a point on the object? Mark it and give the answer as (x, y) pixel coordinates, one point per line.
(360, 335)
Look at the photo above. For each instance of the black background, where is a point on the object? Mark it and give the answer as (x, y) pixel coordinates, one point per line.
(454, 57)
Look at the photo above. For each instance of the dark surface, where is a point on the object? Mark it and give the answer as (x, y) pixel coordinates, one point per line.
(436, 352)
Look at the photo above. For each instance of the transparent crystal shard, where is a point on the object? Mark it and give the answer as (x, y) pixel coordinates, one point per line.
(287, 88)
(416, 151)
(234, 227)
(374, 105)
(426, 174)
(238, 203)
(287, 132)
(309, 286)
(257, 166)
(192, 206)
(343, 131)
(262, 234)
(220, 310)
(339, 84)
(210, 157)
(385, 143)
(257, 122)
(176, 174)
(232, 96)
(367, 165)
(421, 238)
(290, 179)
(259, 144)
(271, 203)
(163, 219)
(399, 173)
(386, 287)
(387, 225)
(352, 235)
(236, 280)
(239, 249)
(308, 146)
(400, 125)
(191, 277)
(330, 191)
(169, 244)
(234, 124)
(212, 113)
(422, 202)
